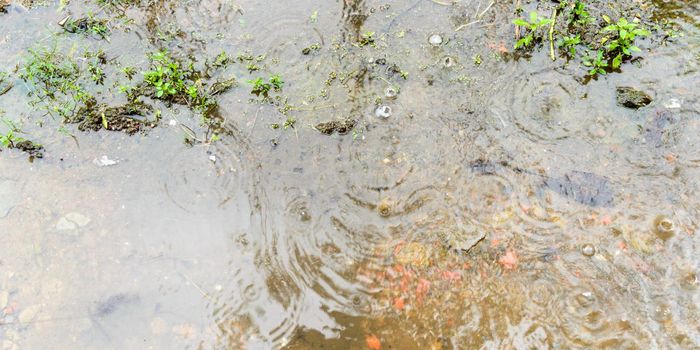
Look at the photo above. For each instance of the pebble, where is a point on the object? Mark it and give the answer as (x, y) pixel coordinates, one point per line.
(391, 93)
(79, 219)
(28, 314)
(158, 326)
(71, 221)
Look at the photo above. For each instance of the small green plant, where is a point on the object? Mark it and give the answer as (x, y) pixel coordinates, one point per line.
(579, 15)
(532, 27)
(289, 123)
(9, 139)
(129, 72)
(621, 44)
(569, 44)
(597, 63)
(260, 87)
(174, 81)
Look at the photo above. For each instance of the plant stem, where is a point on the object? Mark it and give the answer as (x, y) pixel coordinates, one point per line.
(551, 34)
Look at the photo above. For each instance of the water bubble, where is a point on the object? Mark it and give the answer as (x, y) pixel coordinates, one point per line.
(435, 40)
(384, 208)
(383, 112)
(391, 92)
(588, 250)
(664, 227)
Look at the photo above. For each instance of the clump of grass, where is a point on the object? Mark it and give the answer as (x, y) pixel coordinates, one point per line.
(55, 78)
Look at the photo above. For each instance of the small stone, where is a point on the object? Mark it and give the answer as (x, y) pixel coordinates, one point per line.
(28, 314)
(78, 219)
(632, 98)
(212, 158)
(158, 326)
(435, 40)
(391, 92)
(172, 122)
(65, 225)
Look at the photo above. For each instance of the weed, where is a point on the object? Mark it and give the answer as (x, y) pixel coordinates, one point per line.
(172, 81)
(532, 27)
(621, 45)
(579, 15)
(569, 44)
(597, 63)
(260, 87)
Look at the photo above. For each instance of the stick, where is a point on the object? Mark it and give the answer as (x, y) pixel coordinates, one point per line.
(551, 35)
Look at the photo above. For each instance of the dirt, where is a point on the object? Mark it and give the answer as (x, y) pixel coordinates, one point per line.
(116, 118)
(341, 127)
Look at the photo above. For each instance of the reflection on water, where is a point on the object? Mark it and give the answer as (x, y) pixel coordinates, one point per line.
(502, 205)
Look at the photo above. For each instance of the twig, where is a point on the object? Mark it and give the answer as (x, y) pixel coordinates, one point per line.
(443, 3)
(485, 10)
(551, 35)
(467, 25)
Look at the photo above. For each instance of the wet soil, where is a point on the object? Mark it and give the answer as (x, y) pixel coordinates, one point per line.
(507, 202)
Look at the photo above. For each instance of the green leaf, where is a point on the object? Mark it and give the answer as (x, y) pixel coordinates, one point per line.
(617, 61)
(606, 19)
(641, 32)
(520, 22)
(533, 17)
(635, 49)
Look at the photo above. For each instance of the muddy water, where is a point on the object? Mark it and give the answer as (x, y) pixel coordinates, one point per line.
(502, 205)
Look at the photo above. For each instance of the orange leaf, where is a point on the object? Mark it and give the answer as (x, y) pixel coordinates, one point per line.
(373, 342)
